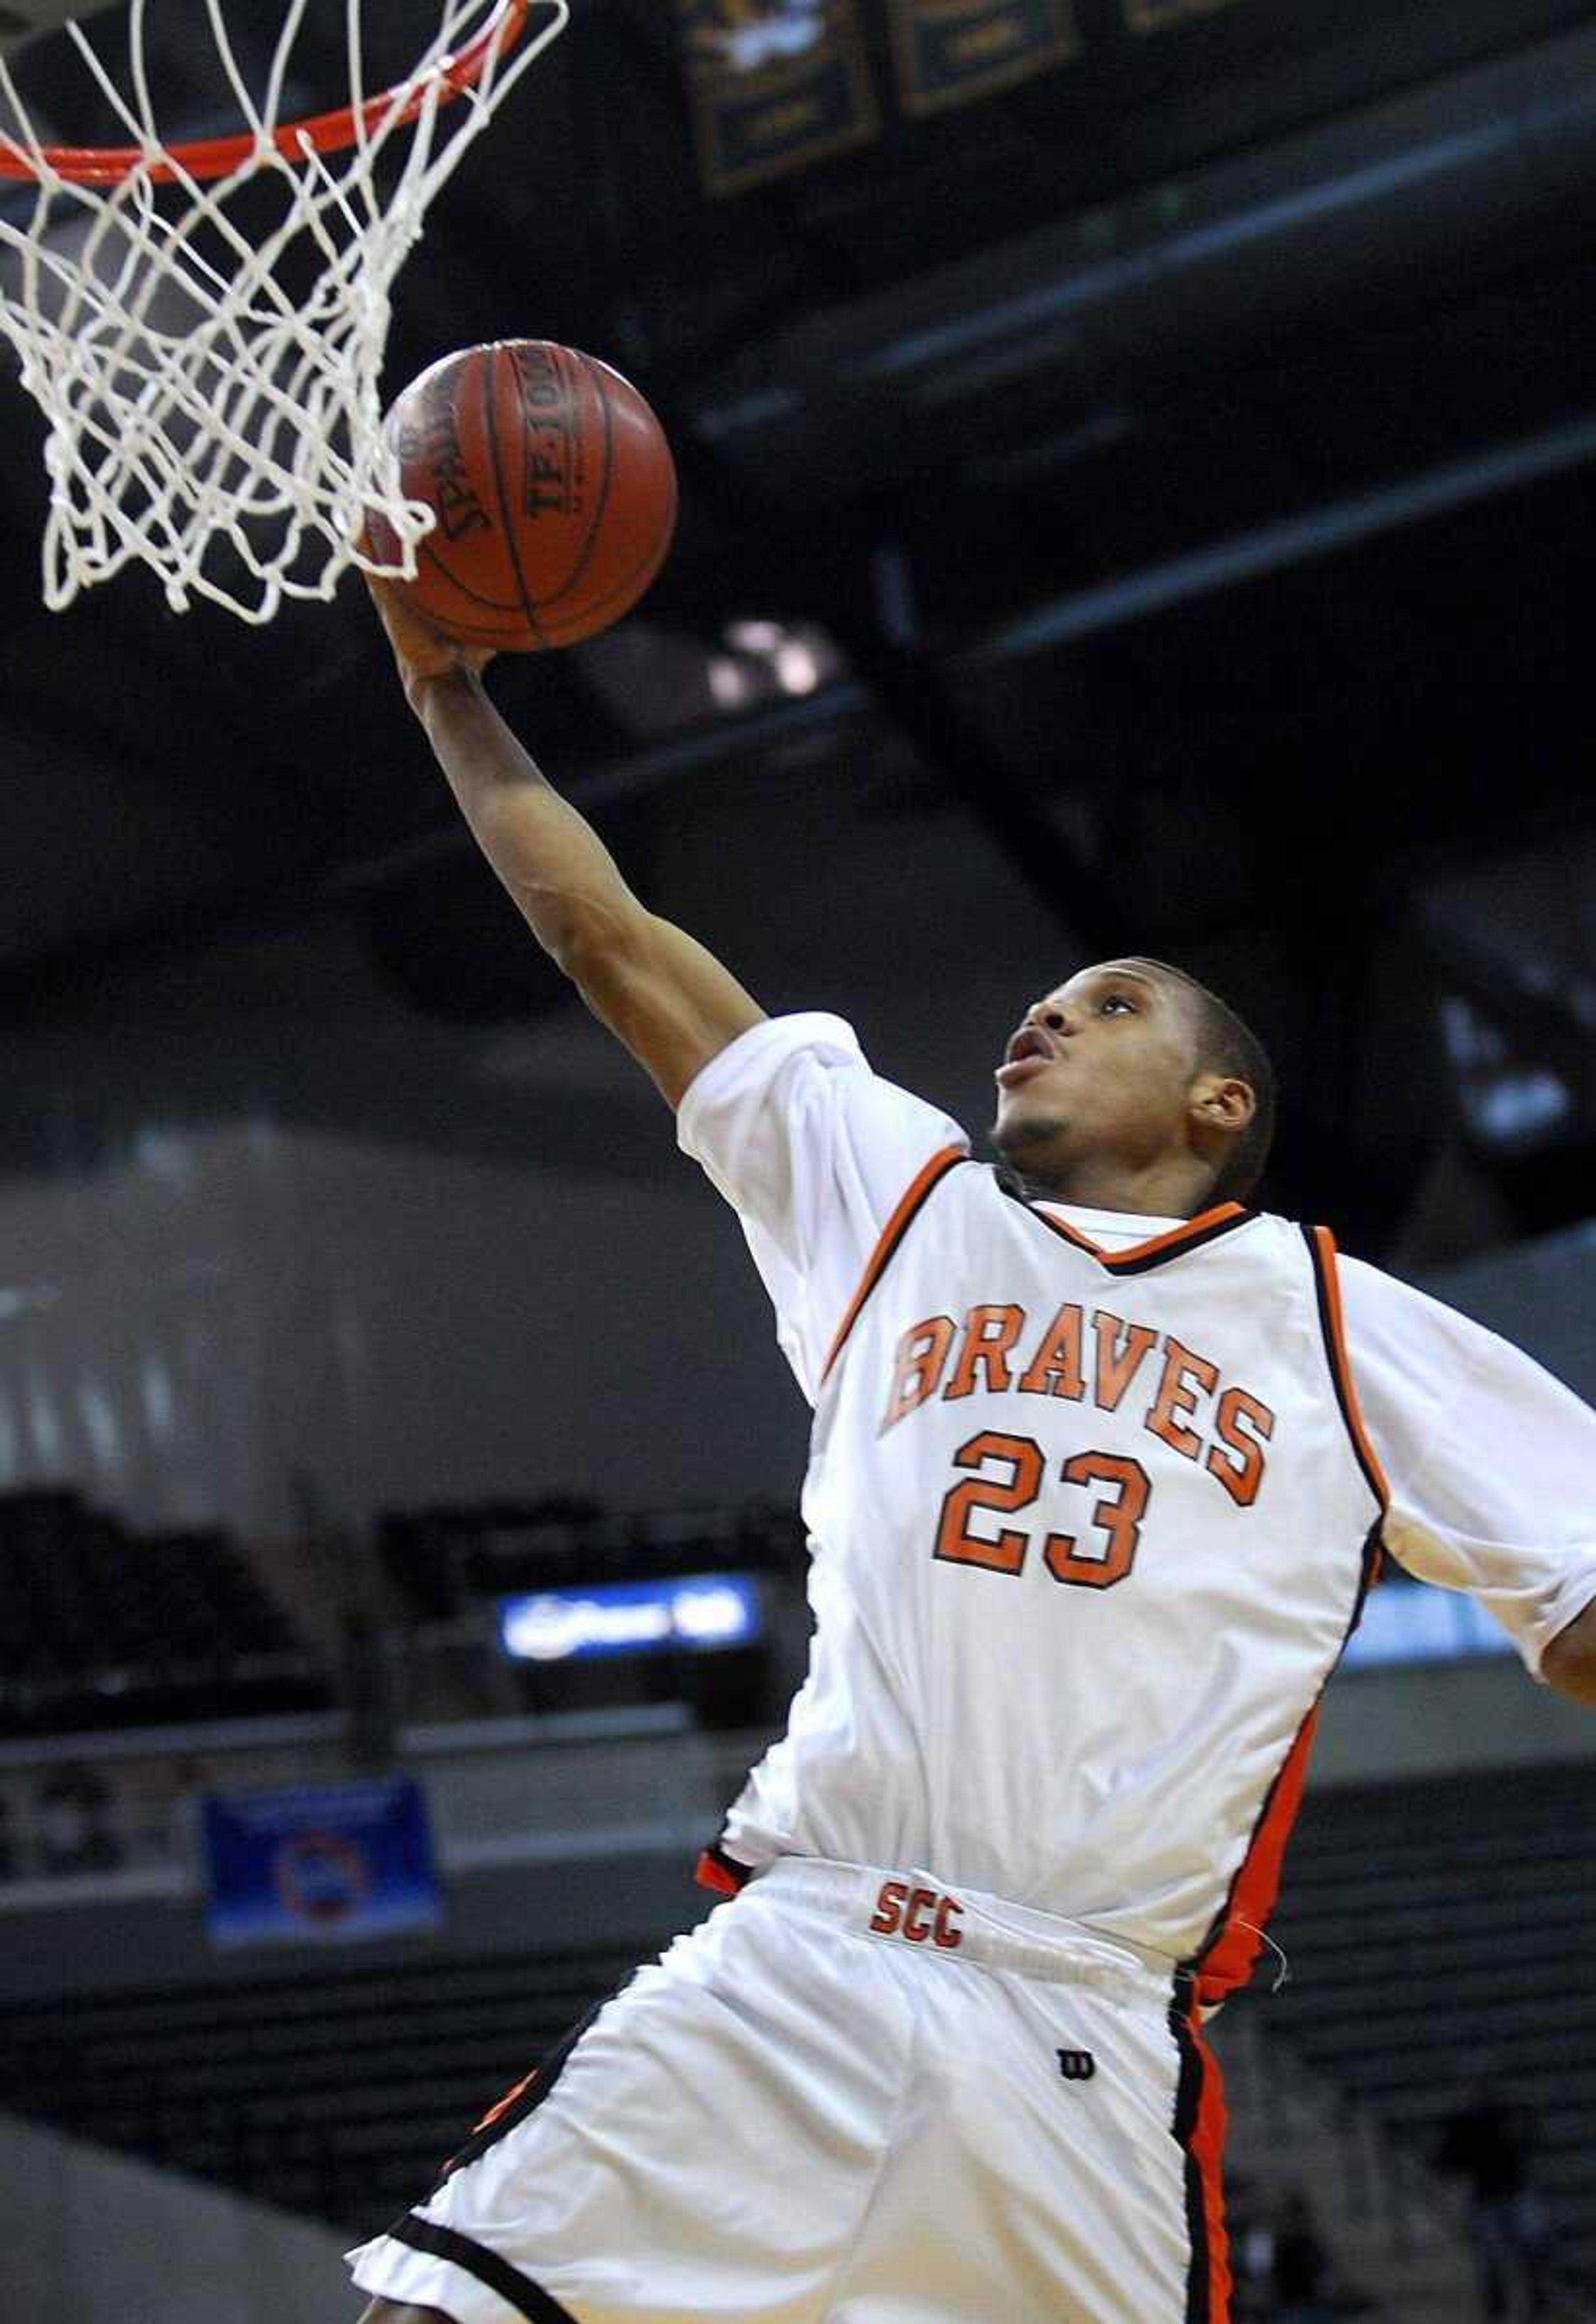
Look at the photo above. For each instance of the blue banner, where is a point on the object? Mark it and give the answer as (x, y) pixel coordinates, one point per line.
(328, 1864)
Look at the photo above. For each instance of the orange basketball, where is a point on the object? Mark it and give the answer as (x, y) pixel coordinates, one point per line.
(555, 491)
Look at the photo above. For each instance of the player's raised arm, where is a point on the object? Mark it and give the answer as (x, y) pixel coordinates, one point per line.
(657, 988)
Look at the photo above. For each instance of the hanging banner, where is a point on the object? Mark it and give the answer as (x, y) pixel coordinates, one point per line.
(324, 1864)
(774, 84)
(1154, 15)
(952, 52)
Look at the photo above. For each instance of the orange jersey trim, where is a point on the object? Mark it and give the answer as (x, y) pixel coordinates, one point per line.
(1321, 1246)
(719, 1873)
(887, 1242)
(1229, 1961)
(516, 2090)
(1203, 1229)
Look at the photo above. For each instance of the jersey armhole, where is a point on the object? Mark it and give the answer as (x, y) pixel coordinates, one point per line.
(1321, 1257)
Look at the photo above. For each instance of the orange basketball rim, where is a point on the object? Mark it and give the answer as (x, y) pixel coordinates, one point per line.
(210, 158)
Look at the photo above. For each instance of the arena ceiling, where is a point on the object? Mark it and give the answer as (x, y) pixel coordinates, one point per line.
(1176, 472)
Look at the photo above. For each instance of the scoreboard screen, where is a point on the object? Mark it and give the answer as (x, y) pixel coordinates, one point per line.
(701, 1613)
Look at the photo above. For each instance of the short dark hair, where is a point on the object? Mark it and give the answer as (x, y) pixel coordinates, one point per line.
(1226, 1045)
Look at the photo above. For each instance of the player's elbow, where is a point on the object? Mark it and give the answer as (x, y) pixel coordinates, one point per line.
(584, 935)
(1569, 1663)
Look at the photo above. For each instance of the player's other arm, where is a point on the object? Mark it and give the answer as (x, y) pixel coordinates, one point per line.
(1569, 1664)
(658, 991)
(1489, 1459)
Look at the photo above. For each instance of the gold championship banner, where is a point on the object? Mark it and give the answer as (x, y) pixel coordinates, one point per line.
(951, 51)
(1153, 15)
(774, 84)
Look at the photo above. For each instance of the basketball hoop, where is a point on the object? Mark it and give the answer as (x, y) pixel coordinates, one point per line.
(210, 376)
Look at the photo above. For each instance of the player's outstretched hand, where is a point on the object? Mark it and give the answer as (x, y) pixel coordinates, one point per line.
(421, 652)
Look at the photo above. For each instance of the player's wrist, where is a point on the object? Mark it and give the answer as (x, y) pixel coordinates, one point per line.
(428, 689)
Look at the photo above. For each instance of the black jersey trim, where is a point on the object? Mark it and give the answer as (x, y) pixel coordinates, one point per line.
(1321, 1248)
(1142, 1259)
(528, 2299)
(911, 1203)
(1188, 2097)
(523, 2097)
(1374, 1551)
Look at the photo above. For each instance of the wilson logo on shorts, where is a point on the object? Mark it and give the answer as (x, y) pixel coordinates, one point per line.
(1076, 2065)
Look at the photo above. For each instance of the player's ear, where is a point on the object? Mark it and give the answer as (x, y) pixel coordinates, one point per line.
(1223, 1102)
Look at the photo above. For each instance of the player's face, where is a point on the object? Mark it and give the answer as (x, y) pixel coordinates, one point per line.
(1105, 1064)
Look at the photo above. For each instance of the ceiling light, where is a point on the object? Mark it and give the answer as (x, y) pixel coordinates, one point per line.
(761, 638)
(798, 668)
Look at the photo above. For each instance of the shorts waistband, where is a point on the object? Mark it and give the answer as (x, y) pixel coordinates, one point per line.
(942, 1920)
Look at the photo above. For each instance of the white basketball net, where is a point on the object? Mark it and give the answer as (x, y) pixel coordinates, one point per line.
(211, 385)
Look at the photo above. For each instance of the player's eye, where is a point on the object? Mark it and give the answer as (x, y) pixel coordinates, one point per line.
(1117, 1001)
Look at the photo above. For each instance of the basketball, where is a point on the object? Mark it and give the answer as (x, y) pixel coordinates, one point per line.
(554, 488)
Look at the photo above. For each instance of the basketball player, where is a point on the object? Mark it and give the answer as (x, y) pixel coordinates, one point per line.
(1102, 1464)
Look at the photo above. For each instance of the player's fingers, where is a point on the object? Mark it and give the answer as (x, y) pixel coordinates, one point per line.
(421, 651)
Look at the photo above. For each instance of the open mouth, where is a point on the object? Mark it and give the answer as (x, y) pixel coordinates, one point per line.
(1028, 1054)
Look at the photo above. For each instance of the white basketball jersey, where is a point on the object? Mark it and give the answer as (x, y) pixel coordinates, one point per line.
(1089, 1531)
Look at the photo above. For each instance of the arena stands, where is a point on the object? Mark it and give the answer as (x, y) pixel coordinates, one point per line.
(336, 2094)
(441, 1560)
(446, 1569)
(1438, 1937)
(106, 1627)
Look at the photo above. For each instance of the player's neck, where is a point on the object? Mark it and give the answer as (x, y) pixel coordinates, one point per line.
(1163, 1190)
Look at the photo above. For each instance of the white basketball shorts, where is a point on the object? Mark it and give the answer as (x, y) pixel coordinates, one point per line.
(853, 2095)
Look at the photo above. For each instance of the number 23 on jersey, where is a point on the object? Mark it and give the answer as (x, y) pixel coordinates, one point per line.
(1007, 1474)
